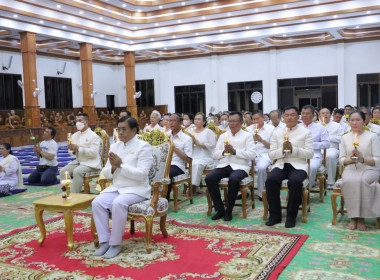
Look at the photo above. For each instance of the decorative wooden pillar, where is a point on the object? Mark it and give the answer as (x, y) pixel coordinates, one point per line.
(28, 51)
(129, 64)
(87, 81)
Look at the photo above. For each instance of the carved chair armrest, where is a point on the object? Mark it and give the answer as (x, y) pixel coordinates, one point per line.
(156, 191)
(103, 183)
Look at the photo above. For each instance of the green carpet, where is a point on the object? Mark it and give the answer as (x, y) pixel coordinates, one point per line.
(330, 252)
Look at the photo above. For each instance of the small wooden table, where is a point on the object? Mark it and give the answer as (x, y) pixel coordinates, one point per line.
(56, 203)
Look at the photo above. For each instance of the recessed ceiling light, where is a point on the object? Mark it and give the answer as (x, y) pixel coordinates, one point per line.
(58, 6)
(134, 27)
(83, 31)
(221, 30)
(256, 10)
(203, 17)
(124, 5)
(247, 27)
(64, 26)
(41, 21)
(118, 23)
(165, 48)
(206, 0)
(368, 12)
(357, 26)
(160, 7)
(183, 3)
(229, 14)
(156, 24)
(139, 11)
(173, 36)
(274, 24)
(285, 6)
(196, 34)
(151, 39)
(179, 21)
(316, 1)
(101, 35)
(131, 42)
(221, 42)
(15, 16)
(283, 35)
(335, 16)
(101, 18)
(81, 12)
(117, 39)
(304, 20)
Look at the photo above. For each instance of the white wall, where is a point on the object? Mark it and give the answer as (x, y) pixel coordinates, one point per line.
(343, 59)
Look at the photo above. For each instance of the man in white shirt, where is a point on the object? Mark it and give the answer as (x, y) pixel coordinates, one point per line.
(372, 127)
(320, 140)
(261, 134)
(337, 117)
(46, 172)
(275, 118)
(290, 148)
(335, 132)
(234, 150)
(128, 165)
(86, 147)
(348, 109)
(182, 149)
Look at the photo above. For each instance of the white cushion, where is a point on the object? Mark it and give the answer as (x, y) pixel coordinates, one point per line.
(321, 169)
(246, 180)
(338, 184)
(304, 183)
(181, 177)
(145, 209)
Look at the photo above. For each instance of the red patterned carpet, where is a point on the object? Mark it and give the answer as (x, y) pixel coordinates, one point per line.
(190, 252)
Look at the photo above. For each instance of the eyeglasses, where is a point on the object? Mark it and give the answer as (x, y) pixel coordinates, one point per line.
(122, 129)
(174, 121)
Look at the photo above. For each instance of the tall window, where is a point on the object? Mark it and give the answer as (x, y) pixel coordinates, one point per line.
(147, 93)
(58, 93)
(368, 89)
(190, 99)
(316, 91)
(239, 96)
(10, 92)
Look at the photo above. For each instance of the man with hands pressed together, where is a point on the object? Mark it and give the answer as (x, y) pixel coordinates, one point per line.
(86, 147)
(234, 150)
(128, 165)
(290, 147)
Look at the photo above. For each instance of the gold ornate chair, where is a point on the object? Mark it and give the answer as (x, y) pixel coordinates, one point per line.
(305, 205)
(105, 145)
(247, 184)
(157, 206)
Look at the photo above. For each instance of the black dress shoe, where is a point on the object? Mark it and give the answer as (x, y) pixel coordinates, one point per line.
(272, 222)
(290, 223)
(260, 198)
(227, 216)
(218, 215)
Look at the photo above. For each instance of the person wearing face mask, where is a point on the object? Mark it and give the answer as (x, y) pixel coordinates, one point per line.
(188, 121)
(86, 147)
(224, 122)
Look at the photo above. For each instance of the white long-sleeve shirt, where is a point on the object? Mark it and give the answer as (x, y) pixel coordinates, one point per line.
(335, 132)
(244, 145)
(88, 153)
(184, 143)
(320, 138)
(132, 176)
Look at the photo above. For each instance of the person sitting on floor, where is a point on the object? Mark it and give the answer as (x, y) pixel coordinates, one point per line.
(360, 154)
(46, 151)
(234, 150)
(86, 147)
(128, 165)
(10, 171)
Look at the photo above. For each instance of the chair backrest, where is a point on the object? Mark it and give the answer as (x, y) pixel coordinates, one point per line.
(214, 129)
(105, 144)
(162, 150)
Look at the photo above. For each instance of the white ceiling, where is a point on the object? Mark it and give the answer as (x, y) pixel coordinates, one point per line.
(169, 29)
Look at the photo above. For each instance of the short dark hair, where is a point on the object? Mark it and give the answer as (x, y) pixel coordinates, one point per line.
(375, 108)
(8, 147)
(349, 106)
(362, 115)
(255, 112)
(132, 122)
(53, 132)
(167, 114)
(338, 111)
(190, 115)
(278, 112)
(84, 115)
(203, 117)
(178, 116)
(237, 113)
(307, 107)
(292, 108)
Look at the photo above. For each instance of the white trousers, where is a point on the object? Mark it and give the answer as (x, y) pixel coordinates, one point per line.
(261, 165)
(332, 155)
(315, 163)
(118, 204)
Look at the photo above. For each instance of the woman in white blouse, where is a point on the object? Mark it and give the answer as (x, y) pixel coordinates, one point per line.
(204, 143)
(10, 170)
(155, 117)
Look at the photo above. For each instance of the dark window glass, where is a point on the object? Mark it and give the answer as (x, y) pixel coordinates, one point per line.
(58, 93)
(330, 80)
(314, 81)
(329, 96)
(10, 92)
(299, 82)
(239, 96)
(285, 97)
(367, 78)
(285, 83)
(368, 89)
(190, 99)
(147, 93)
